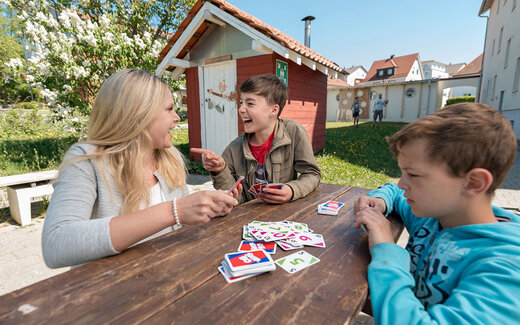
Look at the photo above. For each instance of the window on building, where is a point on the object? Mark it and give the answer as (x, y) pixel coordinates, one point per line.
(494, 87)
(488, 88)
(390, 71)
(508, 47)
(517, 75)
(380, 73)
(498, 6)
(500, 39)
(493, 48)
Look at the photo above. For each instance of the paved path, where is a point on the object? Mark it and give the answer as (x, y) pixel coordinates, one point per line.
(21, 263)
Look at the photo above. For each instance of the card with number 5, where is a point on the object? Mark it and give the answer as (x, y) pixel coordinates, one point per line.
(296, 261)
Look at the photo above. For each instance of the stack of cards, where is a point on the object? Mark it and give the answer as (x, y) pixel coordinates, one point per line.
(260, 240)
(286, 234)
(330, 208)
(257, 188)
(238, 265)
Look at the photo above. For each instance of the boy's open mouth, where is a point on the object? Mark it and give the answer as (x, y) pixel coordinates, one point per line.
(247, 121)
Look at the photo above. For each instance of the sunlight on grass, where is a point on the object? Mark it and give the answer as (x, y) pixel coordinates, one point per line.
(358, 156)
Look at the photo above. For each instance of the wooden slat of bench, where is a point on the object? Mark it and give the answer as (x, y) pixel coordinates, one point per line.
(28, 178)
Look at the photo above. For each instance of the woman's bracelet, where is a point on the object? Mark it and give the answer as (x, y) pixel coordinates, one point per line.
(175, 214)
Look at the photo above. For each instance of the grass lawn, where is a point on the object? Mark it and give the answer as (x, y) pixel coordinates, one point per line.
(358, 156)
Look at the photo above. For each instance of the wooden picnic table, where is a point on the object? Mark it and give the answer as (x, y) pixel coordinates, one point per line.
(174, 278)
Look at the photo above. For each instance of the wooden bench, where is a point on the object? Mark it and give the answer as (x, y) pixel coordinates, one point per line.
(20, 190)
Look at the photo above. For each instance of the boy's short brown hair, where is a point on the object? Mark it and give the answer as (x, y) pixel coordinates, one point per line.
(464, 136)
(268, 86)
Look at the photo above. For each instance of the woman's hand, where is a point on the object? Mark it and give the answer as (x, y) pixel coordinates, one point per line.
(276, 196)
(202, 206)
(212, 161)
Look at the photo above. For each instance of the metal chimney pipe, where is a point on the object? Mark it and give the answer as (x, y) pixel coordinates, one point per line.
(307, 35)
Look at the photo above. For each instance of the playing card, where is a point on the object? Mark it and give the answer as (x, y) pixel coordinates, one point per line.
(287, 246)
(256, 245)
(330, 207)
(232, 279)
(241, 263)
(310, 240)
(273, 185)
(297, 261)
(256, 187)
(246, 235)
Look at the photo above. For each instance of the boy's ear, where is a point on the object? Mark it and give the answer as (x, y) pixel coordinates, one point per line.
(478, 180)
(274, 110)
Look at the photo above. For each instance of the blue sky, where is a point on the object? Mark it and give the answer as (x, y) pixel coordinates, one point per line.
(359, 32)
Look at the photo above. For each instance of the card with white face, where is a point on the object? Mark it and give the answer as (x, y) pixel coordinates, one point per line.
(287, 246)
(315, 240)
(256, 245)
(246, 235)
(297, 261)
(232, 279)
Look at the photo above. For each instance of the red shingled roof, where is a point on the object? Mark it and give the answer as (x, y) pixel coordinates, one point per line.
(473, 67)
(337, 83)
(250, 20)
(403, 64)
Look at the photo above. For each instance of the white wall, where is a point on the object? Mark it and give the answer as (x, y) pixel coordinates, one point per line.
(423, 102)
(415, 72)
(434, 70)
(332, 104)
(357, 74)
(506, 19)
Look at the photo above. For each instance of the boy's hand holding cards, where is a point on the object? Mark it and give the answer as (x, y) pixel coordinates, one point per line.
(258, 187)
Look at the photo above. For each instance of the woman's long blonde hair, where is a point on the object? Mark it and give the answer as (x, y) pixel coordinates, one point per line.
(125, 105)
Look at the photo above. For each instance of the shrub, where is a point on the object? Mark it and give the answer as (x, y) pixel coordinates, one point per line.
(461, 99)
(29, 105)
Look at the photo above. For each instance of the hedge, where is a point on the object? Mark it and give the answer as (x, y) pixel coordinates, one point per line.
(461, 99)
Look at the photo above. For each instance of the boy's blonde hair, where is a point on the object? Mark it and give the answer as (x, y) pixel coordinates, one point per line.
(464, 136)
(268, 86)
(125, 105)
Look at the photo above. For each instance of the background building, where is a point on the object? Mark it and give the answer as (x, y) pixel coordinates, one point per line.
(501, 61)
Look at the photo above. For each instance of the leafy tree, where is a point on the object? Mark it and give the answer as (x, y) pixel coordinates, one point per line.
(12, 87)
(78, 44)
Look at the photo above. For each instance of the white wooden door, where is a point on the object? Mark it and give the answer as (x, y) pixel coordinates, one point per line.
(219, 112)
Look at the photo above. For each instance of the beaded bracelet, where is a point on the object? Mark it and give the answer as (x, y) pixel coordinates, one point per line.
(175, 215)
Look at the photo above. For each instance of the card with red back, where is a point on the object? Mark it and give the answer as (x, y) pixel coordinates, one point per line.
(256, 245)
(246, 260)
(256, 187)
(274, 185)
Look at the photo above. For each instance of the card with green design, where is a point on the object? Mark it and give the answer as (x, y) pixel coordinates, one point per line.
(296, 261)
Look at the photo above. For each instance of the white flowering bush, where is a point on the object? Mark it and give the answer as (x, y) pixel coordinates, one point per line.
(76, 45)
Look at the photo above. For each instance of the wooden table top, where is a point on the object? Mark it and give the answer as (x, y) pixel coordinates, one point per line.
(174, 278)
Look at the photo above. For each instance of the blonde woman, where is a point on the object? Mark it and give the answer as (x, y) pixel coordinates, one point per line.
(126, 182)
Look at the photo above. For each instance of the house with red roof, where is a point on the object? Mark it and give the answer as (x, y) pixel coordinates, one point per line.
(395, 69)
(217, 47)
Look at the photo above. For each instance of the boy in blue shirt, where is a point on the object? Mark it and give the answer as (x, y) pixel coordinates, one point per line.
(462, 261)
